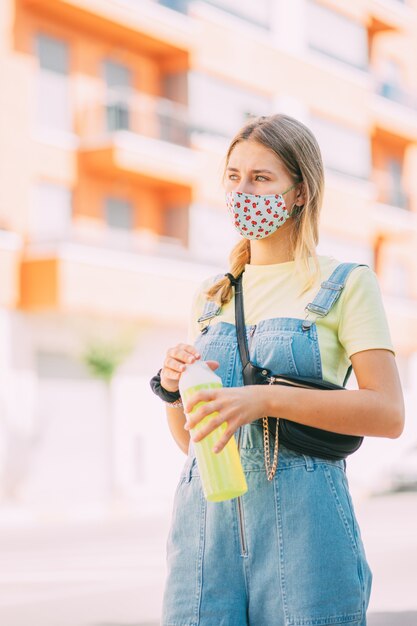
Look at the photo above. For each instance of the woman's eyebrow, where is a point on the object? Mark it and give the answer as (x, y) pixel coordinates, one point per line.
(234, 169)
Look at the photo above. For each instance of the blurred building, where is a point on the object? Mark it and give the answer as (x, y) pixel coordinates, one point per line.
(115, 116)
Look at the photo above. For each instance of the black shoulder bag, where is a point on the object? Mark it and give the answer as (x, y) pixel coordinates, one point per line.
(298, 437)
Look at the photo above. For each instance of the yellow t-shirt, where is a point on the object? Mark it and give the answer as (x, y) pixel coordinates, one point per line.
(356, 322)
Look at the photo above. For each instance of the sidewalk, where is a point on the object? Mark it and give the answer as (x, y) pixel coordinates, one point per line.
(112, 574)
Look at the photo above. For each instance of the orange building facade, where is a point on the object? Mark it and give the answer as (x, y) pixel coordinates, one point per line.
(115, 116)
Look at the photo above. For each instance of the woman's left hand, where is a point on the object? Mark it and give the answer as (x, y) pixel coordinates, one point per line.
(235, 405)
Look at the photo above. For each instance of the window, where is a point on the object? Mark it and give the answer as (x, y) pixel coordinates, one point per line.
(335, 35)
(50, 212)
(117, 75)
(53, 55)
(176, 5)
(53, 109)
(175, 222)
(256, 12)
(344, 149)
(396, 195)
(175, 86)
(220, 108)
(119, 213)
(391, 84)
(118, 80)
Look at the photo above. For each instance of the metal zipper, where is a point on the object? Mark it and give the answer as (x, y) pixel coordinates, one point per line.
(272, 379)
(239, 500)
(240, 509)
(251, 334)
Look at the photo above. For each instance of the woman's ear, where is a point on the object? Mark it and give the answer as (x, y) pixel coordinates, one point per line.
(300, 195)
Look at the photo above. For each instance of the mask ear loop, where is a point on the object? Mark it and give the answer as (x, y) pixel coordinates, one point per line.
(295, 207)
(289, 189)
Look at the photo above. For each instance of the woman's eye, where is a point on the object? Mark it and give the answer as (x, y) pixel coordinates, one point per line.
(231, 177)
(260, 176)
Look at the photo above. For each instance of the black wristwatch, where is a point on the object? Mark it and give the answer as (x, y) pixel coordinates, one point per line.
(164, 394)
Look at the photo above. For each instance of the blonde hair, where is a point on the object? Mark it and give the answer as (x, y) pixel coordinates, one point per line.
(298, 149)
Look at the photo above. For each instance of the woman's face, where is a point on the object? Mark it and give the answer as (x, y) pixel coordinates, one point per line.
(252, 168)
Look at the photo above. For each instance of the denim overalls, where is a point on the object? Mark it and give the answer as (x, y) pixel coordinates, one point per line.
(288, 552)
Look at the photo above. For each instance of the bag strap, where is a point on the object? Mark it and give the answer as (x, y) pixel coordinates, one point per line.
(240, 323)
(325, 299)
(329, 293)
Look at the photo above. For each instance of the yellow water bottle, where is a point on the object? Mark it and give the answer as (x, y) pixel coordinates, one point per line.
(221, 474)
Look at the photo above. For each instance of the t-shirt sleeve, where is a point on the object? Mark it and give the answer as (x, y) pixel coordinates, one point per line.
(363, 323)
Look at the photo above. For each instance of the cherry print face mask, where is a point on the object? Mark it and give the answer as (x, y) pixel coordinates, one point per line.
(257, 216)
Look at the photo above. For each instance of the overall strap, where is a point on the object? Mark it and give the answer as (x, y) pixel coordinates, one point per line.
(329, 292)
(327, 296)
(211, 309)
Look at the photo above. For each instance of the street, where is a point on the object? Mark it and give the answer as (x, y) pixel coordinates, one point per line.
(97, 574)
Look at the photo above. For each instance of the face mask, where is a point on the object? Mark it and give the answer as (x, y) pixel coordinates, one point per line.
(257, 216)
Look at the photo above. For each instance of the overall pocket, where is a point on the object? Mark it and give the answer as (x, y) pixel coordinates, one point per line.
(182, 593)
(219, 345)
(275, 352)
(320, 564)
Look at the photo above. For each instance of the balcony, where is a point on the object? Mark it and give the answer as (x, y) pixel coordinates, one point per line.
(10, 251)
(138, 135)
(392, 211)
(153, 29)
(387, 15)
(129, 275)
(395, 110)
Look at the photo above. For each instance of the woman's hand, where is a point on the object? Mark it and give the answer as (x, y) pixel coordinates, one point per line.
(235, 405)
(174, 364)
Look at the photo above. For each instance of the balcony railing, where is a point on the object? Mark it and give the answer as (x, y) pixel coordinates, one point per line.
(138, 113)
(112, 240)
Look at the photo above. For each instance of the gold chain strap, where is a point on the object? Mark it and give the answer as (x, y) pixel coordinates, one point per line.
(270, 470)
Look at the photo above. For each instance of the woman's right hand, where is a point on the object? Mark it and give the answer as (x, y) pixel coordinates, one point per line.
(175, 361)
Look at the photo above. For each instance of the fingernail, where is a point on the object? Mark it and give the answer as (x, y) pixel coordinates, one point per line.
(186, 427)
(215, 450)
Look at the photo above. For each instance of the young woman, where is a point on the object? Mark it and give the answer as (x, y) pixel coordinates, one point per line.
(289, 552)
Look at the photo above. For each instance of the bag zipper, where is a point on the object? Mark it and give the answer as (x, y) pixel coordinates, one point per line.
(273, 379)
